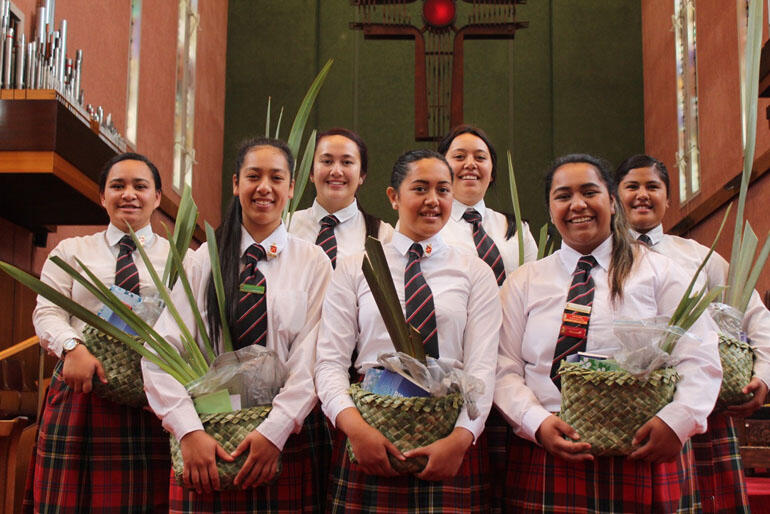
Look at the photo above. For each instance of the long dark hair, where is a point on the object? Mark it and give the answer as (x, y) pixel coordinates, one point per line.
(643, 161)
(372, 223)
(228, 237)
(622, 259)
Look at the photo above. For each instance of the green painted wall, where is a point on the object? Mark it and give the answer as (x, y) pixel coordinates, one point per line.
(571, 82)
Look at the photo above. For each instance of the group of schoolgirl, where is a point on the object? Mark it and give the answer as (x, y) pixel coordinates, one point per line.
(454, 263)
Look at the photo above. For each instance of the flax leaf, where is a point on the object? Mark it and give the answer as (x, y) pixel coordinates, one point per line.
(219, 287)
(516, 208)
(88, 317)
(193, 304)
(198, 362)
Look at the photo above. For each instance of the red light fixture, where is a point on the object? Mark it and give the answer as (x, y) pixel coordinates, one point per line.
(439, 13)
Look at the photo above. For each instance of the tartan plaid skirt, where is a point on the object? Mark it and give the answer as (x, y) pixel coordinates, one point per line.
(297, 488)
(94, 455)
(498, 433)
(536, 481)
(719, 468)
(351, 490)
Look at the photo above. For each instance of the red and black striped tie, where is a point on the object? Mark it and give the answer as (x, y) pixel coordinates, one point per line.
(577, 314)
(326, 239)
(644, 239)
(486, 248)
(420, 312)
(126, 274)
(252, 304)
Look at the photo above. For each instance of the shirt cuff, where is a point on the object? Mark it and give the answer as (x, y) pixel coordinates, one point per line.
(276, 428)
(182, 420)
(531, 422)
(682, 424)
(337, 405)
(762, 371)
(474, 426)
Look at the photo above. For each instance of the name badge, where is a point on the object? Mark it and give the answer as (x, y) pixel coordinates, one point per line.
(585, 309)
(252, 288)
(577, 332)
(575, 318)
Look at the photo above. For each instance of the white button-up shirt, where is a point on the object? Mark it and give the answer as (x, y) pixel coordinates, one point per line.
(689, 253)
(458, 232)
(297, 274)
(350, 231)
(465, 296)
(533, 301)
(98, 252)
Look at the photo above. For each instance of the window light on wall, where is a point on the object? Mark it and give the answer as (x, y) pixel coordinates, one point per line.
(688, 154)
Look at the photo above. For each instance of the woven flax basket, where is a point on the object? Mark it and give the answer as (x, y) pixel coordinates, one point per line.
(608, 407)
(121, 366)
(407, 422)
(737, 367)
(229, 429)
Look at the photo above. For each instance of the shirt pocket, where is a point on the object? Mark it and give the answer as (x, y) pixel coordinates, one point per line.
(288, 309)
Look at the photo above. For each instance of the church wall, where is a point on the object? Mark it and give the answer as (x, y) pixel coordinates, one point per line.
(721, 152)
(101, 29)
(571, 81)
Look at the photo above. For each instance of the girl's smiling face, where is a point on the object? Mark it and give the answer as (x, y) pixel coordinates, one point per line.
(471, 163)
(581, 206)
(644, 197)
(129, 195)
(263, 186)
(423, 199)
(336, 172)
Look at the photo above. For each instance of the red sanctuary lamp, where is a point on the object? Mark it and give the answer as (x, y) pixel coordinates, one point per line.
(439, 13)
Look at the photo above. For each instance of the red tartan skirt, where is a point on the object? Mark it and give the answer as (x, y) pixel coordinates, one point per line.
(295, 490)
(498, 433)
(351, 490)
(97, 456)
(536, 481)
(719, 467)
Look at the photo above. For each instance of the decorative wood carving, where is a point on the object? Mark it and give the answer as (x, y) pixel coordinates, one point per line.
(391, 19)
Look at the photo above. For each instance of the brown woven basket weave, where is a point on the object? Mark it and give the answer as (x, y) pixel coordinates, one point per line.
(407, 422)
(608, 407)
(121, 366)
(229, 429)
(737, 367)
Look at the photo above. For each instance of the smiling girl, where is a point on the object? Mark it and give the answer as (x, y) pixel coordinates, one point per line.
(599, 275)
(336, 221)
(456, 301)
(643, 188)
(254, 248)
(94, 455)
(474, 163)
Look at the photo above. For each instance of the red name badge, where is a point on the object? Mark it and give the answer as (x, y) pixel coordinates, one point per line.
(575, 318)
(577, 332)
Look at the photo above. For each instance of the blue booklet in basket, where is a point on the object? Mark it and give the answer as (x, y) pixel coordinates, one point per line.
(382, 381)
(130, 299)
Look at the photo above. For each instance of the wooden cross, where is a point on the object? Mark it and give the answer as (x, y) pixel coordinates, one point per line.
(489, 19)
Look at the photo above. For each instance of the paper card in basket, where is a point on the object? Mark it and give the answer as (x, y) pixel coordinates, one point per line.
(130, 299)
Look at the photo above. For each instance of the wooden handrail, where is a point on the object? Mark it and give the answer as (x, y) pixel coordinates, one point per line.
(19, 347)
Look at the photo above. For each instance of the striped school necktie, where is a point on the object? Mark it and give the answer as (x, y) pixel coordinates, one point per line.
(420, 312)
(126, 274)
(326, 239)
(486, 248)
(252, 304)
(577, 314)
(645, 239)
